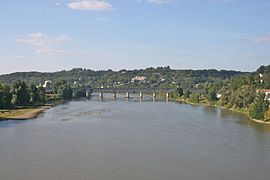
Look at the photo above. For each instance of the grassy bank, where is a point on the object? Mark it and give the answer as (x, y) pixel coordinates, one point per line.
(22, 113)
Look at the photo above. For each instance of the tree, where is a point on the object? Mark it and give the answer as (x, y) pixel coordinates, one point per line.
(267, 115)
(194, 97)
(187, 94)
(41, 94)
(21, 94)
(5, 96)
(58, 85)
(212, 96)
(179, 91)
(65, 91)
(34, 94)
(259, 107)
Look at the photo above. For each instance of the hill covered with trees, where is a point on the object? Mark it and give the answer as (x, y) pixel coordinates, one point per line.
(150, 77)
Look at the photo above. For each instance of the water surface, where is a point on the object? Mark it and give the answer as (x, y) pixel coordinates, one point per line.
(132, 140)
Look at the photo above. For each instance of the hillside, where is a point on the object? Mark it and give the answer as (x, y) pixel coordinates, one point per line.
(159, 77)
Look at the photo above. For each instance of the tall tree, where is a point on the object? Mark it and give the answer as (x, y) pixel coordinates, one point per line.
(179, 91)
(259, 107)
(41, 94)
(34, 94)
(21, 94)
(5, 96)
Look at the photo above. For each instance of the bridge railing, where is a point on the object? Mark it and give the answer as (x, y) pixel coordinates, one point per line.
(132, 90)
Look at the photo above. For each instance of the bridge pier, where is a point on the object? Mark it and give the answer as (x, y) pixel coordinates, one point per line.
(127, 95)
(167, 95)
(73, 94)
(114, 95)
(87, 94)
(141, 95)
(101, 94)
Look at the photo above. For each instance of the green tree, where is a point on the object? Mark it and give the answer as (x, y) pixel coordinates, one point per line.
(34, 94)
(21, 94)
(65, 91)
(187, 94)
(41, 94)
(5, 96)
(194, 97)
(259, 107)
(179, 91)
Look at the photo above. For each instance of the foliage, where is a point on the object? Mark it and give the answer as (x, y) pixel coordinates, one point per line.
(21, 95)
(259, 107)
(267, 115)
(194, 97)
(5, 96)
(65, 91)
(34, 94)
(179, 92)
(187, 94)
(155, 77)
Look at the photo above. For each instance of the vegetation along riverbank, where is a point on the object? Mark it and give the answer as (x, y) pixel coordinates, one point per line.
(246, 92)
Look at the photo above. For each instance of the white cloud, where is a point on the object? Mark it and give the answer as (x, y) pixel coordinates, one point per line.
(90, 5)
(262, 39)
(15, 57)
(44, 44)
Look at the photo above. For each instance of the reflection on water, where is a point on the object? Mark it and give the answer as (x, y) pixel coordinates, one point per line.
(143, 139)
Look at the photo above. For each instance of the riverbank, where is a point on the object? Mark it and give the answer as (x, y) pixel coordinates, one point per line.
(230, 109)
(23, 113)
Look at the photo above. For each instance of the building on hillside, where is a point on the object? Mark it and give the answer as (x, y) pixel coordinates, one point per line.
(138, 78)
(266, 92)
(219, 95)
(47, 83)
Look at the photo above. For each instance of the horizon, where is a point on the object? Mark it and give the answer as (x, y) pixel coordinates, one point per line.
(117, 70)
(52, 35)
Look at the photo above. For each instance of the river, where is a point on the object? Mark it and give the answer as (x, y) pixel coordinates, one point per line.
(133, 140)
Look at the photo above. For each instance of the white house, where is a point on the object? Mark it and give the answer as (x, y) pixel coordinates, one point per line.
(47, 83)
(138, 78)
(266, 92)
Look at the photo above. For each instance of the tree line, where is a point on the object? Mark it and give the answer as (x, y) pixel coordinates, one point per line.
(239, 93)
(155, 77)
(20, 94)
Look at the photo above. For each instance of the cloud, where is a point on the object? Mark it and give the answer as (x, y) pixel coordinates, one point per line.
(90, 5)
(262, 39)
(15, 57)
(44, 44)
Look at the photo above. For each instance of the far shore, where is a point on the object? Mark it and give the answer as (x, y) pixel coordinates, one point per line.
(23, 113)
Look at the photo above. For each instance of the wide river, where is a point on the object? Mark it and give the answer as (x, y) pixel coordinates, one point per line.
(133, 140)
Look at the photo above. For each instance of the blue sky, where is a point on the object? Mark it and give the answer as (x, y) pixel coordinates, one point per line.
(50, 35)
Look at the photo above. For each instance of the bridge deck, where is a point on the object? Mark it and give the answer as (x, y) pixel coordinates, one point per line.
(132, 90)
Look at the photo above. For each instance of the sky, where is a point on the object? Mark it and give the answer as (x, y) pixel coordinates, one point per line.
(52, 35)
